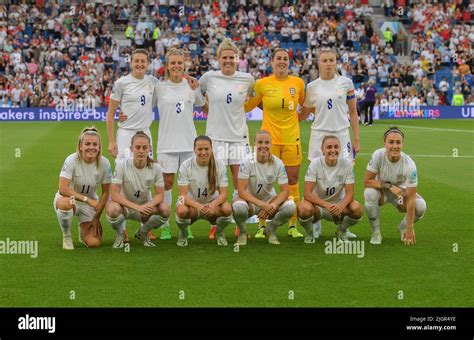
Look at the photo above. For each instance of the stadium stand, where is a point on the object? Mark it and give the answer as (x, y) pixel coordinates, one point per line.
(76, 50)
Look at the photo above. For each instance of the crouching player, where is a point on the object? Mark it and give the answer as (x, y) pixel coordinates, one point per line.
(131, 193)
(80, 176)
(329, 192)
(391, 177)
(257, 177)
(202, 186)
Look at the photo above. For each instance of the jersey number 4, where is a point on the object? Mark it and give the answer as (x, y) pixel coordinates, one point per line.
(202, 193)
(137, 194)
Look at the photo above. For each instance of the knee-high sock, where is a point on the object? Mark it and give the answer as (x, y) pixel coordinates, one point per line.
(223, 221)
(183, 223)
(420, 209)
(117, 223)
(168, 200)
(155, 221)
(65, 221)
(347, 222)
(307, 225)
(241, 214)
(294, 191)
(372, 208)
(285, 212)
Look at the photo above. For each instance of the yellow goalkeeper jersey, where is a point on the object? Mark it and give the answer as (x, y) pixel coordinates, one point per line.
(280, 99)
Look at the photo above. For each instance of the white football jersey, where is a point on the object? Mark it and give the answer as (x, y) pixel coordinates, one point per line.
(136, 100)
(137, 183)
(86, 178)
(329, 97)
(402, 173)
(227, 95)
(262, 177)
(195, 177)
(330, 180)
(176, 131)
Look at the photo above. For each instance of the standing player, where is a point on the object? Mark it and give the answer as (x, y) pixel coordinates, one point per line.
(80, 176)
(131, 193)
(134, 94)
(227, 91)
(280, 95)
(176, 132)
(257, 176)
(202, 185)
(391, 177)
(333, 97)
(329, 192)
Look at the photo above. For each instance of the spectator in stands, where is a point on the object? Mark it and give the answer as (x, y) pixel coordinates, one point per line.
(369, 103)
(458, 98)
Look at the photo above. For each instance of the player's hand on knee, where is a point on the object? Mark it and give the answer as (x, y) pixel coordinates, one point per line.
(96, 226)
(92, 203)
(122, 117)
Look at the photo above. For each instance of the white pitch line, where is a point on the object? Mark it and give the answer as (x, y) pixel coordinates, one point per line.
(428, 156)
(428, 128)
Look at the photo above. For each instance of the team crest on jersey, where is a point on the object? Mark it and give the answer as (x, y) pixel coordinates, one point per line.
(149, 182)
(292, 91)
(339, 93)
(340, 178)
(270, 178)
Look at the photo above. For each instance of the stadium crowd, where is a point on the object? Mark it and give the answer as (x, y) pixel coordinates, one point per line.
(51, 53)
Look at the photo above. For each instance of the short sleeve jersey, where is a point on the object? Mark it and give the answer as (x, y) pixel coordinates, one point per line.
(330, 180)
(227, 95)
(86, 177)
(137, 183)
(194, 176)
(136, 100)
(402, 173)
(176, 132)
(262, 177)
(329, 97)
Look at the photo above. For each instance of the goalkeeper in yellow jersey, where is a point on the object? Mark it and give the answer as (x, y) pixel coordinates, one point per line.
(280, 95)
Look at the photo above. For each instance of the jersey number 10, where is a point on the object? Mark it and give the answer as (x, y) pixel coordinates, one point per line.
(330, 191)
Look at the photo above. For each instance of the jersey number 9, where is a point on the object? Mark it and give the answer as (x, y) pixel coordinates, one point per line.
(142, 100)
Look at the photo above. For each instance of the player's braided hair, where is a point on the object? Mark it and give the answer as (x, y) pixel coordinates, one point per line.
(265, 132)
(172, 51)
(393, 129)
(149, 160)
(90, 131)
(212, 168)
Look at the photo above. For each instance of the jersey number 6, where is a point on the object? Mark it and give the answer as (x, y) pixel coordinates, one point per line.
(229, 98)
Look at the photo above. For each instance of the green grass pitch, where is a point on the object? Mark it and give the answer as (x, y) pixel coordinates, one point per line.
(294, 274)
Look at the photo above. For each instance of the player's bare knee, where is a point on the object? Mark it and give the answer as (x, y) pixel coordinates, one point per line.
(63, 204)
(164, 210)
(226, 209)
(306, 210)
(182, 211)
(355, 210)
